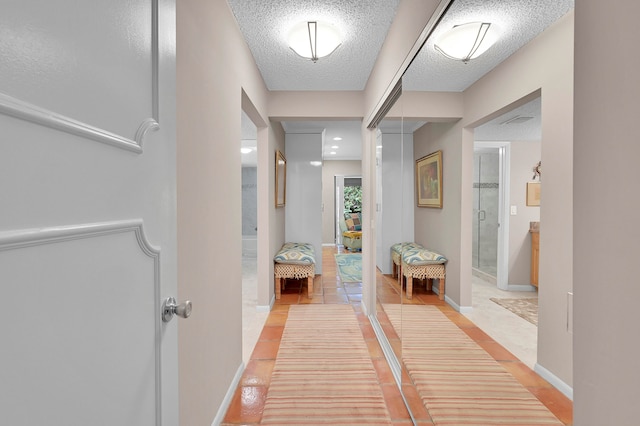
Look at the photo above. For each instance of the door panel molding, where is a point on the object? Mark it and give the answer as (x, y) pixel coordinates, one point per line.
(30, 112)
(29, 238)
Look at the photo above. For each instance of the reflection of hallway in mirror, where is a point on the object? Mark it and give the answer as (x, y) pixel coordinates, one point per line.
(249, 398)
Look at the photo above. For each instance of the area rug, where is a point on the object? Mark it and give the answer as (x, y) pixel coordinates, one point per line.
(323, 373)
(349, 267)
(524, 308)
(458, 381)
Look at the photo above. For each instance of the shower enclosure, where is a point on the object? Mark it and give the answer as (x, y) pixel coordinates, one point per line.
(486, 198)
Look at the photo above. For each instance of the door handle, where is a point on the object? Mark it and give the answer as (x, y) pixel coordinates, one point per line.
(482, 215)
(170, 308)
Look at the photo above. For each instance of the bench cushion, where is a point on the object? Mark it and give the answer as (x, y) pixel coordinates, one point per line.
(400, 247)
(296, 254)
(422, 256)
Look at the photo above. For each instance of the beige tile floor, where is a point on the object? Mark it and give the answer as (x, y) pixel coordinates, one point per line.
(516, 334)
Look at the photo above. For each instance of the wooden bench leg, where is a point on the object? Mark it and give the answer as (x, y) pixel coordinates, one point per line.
(409, 287)
(310, 287)
(441, 288)
(278, 287)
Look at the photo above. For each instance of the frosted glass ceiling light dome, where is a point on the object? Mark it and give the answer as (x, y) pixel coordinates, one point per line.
(314, 39)
(467, 41)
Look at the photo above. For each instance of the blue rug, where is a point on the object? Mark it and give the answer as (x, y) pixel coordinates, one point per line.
(349, 267)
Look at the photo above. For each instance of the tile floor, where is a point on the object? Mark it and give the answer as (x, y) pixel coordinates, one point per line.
(248, 401)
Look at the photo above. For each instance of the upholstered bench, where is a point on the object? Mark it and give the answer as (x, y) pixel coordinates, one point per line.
(411, 260)
(294, 260)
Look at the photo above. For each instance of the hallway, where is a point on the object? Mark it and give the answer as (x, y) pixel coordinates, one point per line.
(248, 402)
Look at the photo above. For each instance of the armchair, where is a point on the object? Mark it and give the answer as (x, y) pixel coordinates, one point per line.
(351, 228)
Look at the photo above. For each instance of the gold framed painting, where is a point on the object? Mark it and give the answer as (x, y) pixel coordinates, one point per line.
(533, 193)
(281, 179)
(429, 180)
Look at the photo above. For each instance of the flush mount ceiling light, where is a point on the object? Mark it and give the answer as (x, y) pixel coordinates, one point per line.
(314, 39)
(467, 41)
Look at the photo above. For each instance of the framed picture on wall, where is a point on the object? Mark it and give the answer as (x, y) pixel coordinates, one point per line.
(533, 193)
(429, 180)
(281, 179)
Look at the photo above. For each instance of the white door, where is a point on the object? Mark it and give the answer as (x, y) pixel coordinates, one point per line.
(87, 212)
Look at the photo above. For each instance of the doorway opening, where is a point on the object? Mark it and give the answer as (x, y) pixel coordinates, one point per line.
(252, 319)
(348, 202)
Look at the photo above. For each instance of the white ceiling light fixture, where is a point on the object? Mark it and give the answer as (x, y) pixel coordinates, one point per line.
(314, 39)
(467, 41)
(246, 150)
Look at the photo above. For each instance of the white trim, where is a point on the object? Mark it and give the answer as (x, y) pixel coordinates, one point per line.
(454, 305)
(34, 114)
(224, 406)
(266, 308)
(554, 381)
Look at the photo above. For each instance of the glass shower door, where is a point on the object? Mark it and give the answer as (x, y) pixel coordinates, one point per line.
(485, 211)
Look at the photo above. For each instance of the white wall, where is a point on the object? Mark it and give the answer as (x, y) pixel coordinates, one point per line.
(303, 209)
(605, 215)
(214, 68)
(396, 204)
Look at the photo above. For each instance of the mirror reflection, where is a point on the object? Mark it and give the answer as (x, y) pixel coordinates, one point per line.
(466, 239)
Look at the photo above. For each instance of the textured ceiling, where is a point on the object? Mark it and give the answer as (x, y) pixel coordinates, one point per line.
(364, 25)
(265, 25)
(519, 22)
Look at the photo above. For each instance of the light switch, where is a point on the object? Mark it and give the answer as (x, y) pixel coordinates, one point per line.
(514, 210)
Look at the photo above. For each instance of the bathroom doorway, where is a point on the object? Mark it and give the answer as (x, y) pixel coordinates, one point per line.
(490, 228)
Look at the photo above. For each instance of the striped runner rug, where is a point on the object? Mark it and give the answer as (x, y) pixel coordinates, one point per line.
(458, 381)
(323, 373)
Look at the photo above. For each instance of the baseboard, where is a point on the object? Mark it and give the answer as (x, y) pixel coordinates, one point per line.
(217, 421)
(454, 305)
(520, 287)
(266, 308)
(484, 276)
(554, 381)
